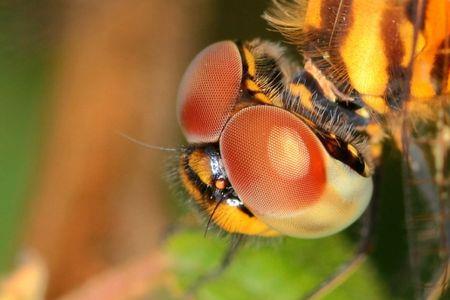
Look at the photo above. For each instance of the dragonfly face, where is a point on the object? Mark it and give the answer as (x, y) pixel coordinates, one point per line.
(259, 162)
(280, 149)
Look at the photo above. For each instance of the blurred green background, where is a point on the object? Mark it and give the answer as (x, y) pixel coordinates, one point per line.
(25, 59)
(282, 269)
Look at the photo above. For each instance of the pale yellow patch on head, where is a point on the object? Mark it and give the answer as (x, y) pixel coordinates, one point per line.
(233, 220)
(200, 164)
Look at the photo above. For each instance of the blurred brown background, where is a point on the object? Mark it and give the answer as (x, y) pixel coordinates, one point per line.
(87, 198)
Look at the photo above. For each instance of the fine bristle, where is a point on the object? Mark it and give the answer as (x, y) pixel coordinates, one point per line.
(273, 69)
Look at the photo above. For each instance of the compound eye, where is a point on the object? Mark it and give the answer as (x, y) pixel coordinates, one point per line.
(208, 92)
(283, 174)
(273, 160)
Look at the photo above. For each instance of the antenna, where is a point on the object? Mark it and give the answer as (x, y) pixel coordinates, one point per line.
(153, 147)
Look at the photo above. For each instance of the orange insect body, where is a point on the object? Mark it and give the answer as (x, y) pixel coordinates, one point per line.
(365, 61)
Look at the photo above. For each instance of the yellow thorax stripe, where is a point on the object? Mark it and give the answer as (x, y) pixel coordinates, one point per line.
(369, 46)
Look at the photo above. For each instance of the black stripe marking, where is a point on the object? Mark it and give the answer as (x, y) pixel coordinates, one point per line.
(398, 87)
(441, 66)
(336, 18)
(411, 13)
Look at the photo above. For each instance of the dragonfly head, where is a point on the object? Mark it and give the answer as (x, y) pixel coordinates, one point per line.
(261, 169)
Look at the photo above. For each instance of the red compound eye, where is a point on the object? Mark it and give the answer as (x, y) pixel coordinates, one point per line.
(273, 160)
(208, 92)
(283, 174)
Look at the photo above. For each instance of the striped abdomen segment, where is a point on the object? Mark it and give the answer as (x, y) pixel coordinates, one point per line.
(385, 51)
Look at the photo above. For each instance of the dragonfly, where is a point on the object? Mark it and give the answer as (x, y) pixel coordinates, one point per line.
(278, 147)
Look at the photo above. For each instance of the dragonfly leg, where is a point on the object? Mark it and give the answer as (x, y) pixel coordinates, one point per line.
(235, 244)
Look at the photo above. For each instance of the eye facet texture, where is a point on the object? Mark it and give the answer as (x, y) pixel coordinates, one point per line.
(208, 92)
(283, 174)
(273, 160)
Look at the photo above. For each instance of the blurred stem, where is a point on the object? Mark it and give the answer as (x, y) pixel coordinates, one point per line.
(134, 280)
(100, 198)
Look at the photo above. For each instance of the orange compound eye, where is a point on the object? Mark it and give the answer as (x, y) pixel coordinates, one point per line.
(271, 154)
(208, 92)
(283, 175)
